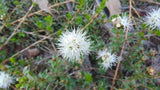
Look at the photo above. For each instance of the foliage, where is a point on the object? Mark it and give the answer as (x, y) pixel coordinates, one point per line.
(48, 70)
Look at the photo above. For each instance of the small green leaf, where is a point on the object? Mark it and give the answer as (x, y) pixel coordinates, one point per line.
(59, 32)
(79, 20)
(157, 33)
(21, 34)
(16, 2)
(88, 77)
(87, 16)
(39, 24)
(48, 20)
(141, 34)
(21, 62)
(68, 15)
(12, 59)
(49, 28)
(34, 4)
(13, 39)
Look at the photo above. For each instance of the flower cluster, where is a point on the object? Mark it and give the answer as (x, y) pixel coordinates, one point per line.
(72, 45)
(5, 80)
(123, 21)
(153, 19)
(108, 59)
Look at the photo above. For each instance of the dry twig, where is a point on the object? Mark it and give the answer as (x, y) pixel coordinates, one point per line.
(150, 1)
(29, 47)
(16, 29)
(123, 47)
(31, 14)
(21, 20)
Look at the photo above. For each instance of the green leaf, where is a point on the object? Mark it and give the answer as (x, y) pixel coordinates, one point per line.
(17, 72)
(34, 4)
(12, 59)
(141, 34)
(79, 20)
(88, 77)
(39, 24)
(48, 20)
(21, 34)
(157, 33)
(22, 63)
(13, 39)
(102, 4)
(81, 4)
(16, 2)
(59, 32)
(69, 16)
(49, 28)
(87, 16)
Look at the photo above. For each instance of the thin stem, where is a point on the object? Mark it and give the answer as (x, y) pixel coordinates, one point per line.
(122, 50)
(16, 29)
(29, 47)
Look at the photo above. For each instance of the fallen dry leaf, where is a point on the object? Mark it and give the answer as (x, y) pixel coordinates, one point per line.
(32, 52)
(43, 4)
(151, 71)
(114, 7)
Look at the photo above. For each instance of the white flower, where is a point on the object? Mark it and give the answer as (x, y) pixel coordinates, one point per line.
(73, 45)
(153, 19)
(5, 80)
(2, 16)
(108, 59)
(126, 22)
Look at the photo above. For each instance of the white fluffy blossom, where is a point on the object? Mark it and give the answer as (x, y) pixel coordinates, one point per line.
(108, 59)
(72, 45)
(153, 19)
(126, 22)
(5, 80)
